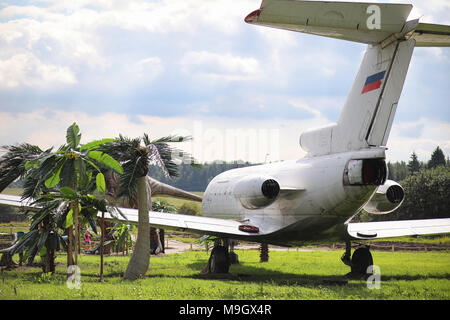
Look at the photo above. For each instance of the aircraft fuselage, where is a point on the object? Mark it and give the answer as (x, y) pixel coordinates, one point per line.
(315, 196)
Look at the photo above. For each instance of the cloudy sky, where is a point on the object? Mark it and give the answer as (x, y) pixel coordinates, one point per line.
(194, 67)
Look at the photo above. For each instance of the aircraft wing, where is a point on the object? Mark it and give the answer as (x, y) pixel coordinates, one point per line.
(196, 224)
(389, 229)
(231, 228)
(16, 201)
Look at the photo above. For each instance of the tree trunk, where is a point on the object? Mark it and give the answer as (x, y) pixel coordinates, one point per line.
(161, 238)
(7, 261)
(101, 245)
(264, 252)
(77, 231)
(140, 259)
(69, 246)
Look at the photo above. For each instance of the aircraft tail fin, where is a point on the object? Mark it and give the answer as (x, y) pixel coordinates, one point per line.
(368, 113)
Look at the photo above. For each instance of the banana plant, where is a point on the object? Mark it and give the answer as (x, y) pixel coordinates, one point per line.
(73, 166)
(55, 213)
(122, 236)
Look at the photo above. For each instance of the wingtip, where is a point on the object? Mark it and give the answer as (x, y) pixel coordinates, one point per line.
(253, 16)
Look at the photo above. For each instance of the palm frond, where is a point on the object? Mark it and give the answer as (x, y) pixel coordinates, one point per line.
(168, 157)
(134, 161)
(13, 162)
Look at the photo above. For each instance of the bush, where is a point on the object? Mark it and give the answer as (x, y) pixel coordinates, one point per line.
(426, 197)
(190, 208)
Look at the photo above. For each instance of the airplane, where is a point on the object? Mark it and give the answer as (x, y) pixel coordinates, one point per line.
(315, 198)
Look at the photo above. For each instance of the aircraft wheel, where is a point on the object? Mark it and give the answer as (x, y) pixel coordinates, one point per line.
(361, 260)
(220, 261)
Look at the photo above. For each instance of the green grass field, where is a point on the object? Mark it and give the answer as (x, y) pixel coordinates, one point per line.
(288, 275)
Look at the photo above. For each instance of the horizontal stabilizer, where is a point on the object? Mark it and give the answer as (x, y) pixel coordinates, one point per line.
(369, 23)
(432, 35)
(389, 229)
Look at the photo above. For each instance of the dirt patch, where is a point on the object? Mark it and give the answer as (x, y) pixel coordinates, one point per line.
(394, 246)
(177, 246)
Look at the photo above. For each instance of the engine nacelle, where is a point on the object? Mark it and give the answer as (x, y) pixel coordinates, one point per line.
(386, 199)
(256, 192)
(365, 172)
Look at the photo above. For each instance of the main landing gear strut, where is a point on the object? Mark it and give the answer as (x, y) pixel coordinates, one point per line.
(359, 261)
(222, 256)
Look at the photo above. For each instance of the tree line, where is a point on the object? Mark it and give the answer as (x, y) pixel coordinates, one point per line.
(398, 171)
(426, 184)
(196, 178)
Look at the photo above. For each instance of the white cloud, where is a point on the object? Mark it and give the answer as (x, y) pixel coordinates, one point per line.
(84, 44)
(300, 104)
(429, 134)
(215, 66)
(149, 68)
(279, 137)
(25, 69)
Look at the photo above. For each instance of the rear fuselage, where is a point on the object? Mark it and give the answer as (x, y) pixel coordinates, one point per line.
(314, 201)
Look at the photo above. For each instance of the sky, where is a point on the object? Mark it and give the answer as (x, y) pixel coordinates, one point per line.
(194, 67)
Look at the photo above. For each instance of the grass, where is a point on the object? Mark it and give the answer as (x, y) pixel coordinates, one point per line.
(288, 275)
(15, 226)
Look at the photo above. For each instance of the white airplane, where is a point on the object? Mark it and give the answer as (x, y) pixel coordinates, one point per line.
(313, 199)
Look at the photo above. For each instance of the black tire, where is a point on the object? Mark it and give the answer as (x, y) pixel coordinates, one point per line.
(361, 260)
(220, 261)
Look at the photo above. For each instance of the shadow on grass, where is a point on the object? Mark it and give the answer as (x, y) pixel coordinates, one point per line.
(259, 274)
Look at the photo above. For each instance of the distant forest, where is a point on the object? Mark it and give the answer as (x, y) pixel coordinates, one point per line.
(426, 184)
(195, 178)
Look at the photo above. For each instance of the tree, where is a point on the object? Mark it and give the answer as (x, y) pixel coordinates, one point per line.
(135, 156)
(413, 164)
(437, 158)
(426, 195)
(55, 212)
(72, 166)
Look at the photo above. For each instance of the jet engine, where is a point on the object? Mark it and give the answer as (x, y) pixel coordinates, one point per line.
(256, 192)
(386, 199)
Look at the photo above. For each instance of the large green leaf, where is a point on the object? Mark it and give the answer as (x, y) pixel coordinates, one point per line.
(73, 136)
(69, 219)
(68, 192)
(54, 178)
(94, 144)
(101, 184)
(106, 160)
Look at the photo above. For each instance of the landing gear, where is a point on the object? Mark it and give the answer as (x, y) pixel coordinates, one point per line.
(219, 260)
(359, 261)
(221, 257)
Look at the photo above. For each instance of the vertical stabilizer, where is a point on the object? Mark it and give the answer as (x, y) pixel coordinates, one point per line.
(368, 113)
(367, 116)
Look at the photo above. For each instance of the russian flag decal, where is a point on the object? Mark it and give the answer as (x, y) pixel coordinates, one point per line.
(373, 82)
